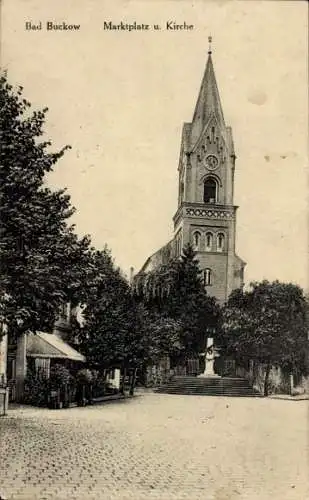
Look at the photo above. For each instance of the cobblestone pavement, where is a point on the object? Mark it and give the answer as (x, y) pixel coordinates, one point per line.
(157, 447)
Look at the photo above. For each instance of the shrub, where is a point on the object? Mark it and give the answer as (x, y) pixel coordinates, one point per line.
(60, 376)
(84, 376)
(99, 387)
(36, 389)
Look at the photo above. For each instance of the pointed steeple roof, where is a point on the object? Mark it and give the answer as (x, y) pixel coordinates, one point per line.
(208, 103)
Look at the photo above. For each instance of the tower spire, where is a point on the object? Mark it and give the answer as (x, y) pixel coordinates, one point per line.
(208, 102)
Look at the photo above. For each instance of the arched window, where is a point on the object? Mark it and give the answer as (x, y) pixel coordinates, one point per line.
(196, 240)
(207, 276)
(209, 240)
(220, 242)
(210, 191)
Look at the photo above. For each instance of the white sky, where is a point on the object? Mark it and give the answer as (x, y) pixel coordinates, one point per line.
(120, 100)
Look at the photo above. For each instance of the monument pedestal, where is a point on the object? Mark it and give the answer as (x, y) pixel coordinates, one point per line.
(209, 371)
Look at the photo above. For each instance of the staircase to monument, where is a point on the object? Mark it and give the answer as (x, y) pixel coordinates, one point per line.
(208, 386)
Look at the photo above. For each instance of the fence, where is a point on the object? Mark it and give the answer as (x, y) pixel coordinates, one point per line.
(191, 367)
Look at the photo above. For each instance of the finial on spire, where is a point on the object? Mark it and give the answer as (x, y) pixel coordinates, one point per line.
(210, 41)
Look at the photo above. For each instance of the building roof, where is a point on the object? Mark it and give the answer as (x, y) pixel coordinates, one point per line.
(160, 257)
(239, 261)
(49, 345)
(208, 103)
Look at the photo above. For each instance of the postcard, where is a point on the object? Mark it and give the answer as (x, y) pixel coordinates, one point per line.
(181, 127)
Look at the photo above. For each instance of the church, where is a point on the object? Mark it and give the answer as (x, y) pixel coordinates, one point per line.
(206, 214)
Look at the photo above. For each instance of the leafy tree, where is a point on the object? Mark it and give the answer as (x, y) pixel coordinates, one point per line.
(188, 301)
(151, 338)
(161, 336)
(177, 291)
(117, 329)
(43, 262)
(108, 314)
(268, 324)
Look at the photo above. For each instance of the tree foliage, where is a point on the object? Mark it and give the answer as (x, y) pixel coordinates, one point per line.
(43, 262)
(117, 329)
(177, 291)
(108, 313)
(268, 323)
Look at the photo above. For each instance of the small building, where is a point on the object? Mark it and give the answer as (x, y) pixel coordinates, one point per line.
(39, 351)
(45, 349)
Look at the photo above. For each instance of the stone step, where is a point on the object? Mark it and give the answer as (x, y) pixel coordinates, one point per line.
(212, 383)
(206, 379)
(213, 386)
(213, 394)
(208, 384)
(192, 387)
(210, 393)
(208, 388)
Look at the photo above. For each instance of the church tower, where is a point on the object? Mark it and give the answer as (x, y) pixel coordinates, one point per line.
(206, 214)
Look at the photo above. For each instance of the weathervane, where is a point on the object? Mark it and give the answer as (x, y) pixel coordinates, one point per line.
(209, 40)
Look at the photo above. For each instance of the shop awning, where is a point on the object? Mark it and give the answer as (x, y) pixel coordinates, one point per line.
(49, 345)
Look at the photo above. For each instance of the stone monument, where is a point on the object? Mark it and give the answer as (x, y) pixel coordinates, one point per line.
(210, 355)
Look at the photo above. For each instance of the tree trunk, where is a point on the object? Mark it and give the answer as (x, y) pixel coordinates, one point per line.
(132, 384)
(124, 374)
(268, 367)
(83, 395)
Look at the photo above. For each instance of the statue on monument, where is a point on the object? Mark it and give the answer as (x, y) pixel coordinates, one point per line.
(210, 355)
